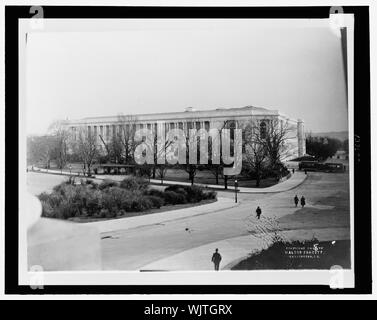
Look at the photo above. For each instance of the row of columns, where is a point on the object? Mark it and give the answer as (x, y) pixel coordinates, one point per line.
(107, 131)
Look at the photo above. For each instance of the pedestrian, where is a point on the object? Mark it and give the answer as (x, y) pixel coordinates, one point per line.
(293, 170)
(306, 172)
(216, 258)
(303, 201)
(259, 212)
(296, 200)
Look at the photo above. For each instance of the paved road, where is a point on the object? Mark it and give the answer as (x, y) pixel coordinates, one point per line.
(132, 249)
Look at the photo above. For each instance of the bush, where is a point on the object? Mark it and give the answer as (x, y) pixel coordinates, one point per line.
(154, 192)
(47, 210)
(157, 202)
(110, 199)
(191, 193)
(141, 204)
(65, 210)
(194, 193)
(134, 183)
(105, 184)
(210, 195)
(172, 197)
(92, 183)
(121, 212)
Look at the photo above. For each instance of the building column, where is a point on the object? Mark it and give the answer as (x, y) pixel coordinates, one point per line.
(301, 138)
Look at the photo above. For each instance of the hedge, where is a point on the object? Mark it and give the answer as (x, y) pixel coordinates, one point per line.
(110, 199)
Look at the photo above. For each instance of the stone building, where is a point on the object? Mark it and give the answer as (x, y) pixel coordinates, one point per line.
(190, 118)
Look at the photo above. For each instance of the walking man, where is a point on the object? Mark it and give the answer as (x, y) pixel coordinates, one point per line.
(303, 201)
(296, 200)
(259, 212)
(216, 258)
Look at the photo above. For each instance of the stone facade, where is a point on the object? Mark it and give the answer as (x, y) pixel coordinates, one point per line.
(199, 119)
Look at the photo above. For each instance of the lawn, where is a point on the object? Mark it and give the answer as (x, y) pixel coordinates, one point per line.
(179, 175)
(311, 254)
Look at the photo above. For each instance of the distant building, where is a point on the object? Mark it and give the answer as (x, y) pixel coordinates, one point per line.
(106, 127)
(340, 155)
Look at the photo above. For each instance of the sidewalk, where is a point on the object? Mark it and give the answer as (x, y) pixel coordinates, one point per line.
(236, 249)
(157, 218)
(295, 180)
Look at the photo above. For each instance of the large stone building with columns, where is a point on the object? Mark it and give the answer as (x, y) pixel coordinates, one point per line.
(106, 127)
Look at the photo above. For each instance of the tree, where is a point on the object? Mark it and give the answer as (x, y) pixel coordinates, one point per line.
(126, 136)
(345, 145)
(40, 149)
(274, 136)
(322, 147)
(255, 156)
(60, 137)
(116, 149)
(86, 148)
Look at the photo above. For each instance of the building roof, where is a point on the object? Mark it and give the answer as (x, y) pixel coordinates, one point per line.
(189, 113)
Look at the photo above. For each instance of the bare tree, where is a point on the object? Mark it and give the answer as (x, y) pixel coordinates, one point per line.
(40, 149)
(266, 143)
(86, 148)
(126, 136)
(60, 136)
(160, 151)
(275, 139)
(255, 155)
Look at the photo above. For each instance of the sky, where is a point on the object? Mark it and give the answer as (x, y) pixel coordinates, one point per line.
(81, 69)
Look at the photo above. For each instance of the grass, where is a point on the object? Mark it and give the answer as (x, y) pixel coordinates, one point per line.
(299, 255)
(202, 177)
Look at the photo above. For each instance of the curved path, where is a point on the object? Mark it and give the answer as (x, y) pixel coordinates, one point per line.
(327, 199)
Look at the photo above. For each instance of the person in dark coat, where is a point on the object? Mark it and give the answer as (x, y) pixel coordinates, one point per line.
(293, 170)
(303, 201)
(296, 200)
(259, 212)
(216, 258)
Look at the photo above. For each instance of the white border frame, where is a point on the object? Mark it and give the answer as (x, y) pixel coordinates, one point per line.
(291, 277)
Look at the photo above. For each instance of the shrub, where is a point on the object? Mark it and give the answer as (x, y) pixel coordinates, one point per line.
(104, 213)
(93, 202)
(191, 193)
(157, 202)
(194, 193)
(210, 195)
(172, 197)
(105, 184)
(121, 212)
(92, 183)
(65, 210)
(134, 183)
(155, 192)
(47, 210)
(141, 204)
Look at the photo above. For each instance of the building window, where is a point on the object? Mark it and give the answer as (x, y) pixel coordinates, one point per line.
(206, 125)
(232, 127)
(263, 130)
